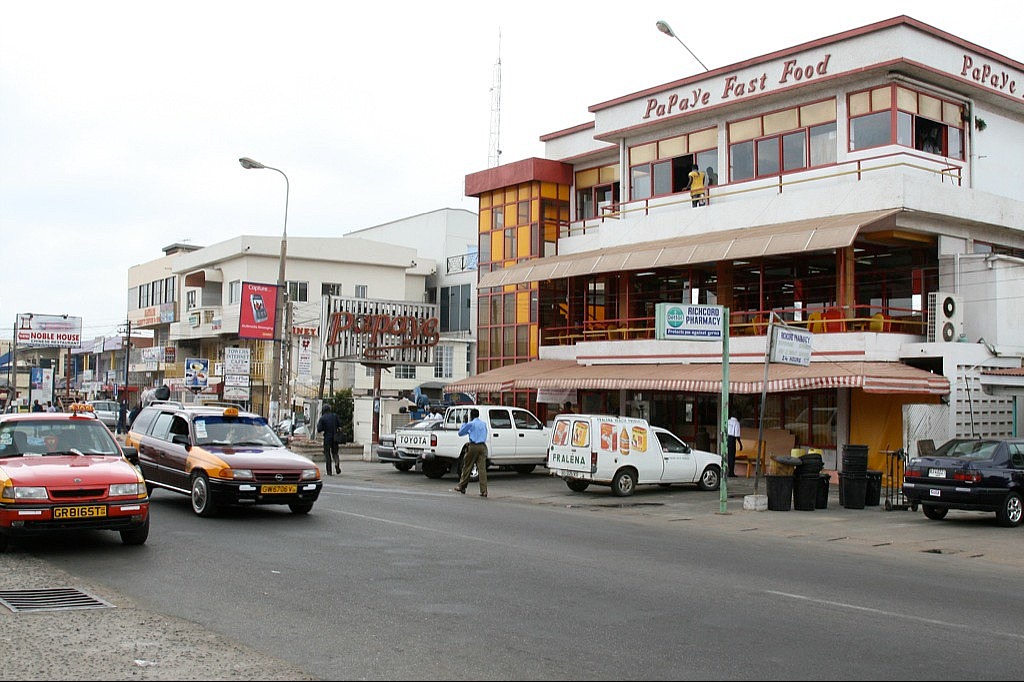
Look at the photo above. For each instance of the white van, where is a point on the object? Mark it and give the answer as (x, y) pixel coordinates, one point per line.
(623, 452)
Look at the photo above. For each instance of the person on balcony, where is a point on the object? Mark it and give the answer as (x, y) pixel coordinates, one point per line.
(696, 186)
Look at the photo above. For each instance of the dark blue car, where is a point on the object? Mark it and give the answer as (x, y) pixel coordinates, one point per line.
(979, 474)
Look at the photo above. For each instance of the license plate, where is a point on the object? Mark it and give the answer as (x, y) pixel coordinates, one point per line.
(79, 512)
(278, 489)
(936, 473)
(935, 492)
(413, 441)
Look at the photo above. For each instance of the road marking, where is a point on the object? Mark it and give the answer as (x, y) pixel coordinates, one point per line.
(892, 614)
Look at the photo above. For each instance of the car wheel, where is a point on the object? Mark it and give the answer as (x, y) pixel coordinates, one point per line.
(524, 468)
(402, 466)
(1011, 512)
(576, 485)
(934, 513)
(435, 468)
(136, 536)
(710, 479)
(624, 483)
(202, 499)
(300, 507)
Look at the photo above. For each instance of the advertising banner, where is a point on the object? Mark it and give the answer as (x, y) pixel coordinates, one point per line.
(49, 331)
(42, 384)
(236, 361)
(688, 322)
(197, 373)
(259, 306)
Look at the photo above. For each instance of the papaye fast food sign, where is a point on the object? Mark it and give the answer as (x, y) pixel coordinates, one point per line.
(48, 331)
(386, 332)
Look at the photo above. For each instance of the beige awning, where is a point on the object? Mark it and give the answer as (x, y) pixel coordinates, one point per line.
(817, 234)
(746, 378)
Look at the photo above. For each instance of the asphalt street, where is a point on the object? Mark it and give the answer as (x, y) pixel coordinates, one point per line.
(127, 642)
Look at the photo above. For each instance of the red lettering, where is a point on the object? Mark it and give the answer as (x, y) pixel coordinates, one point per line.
(652, 105)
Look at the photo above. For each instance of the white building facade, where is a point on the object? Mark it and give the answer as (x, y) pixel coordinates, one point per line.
(863, 186)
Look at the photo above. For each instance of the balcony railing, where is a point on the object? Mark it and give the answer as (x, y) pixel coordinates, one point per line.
(823, 320)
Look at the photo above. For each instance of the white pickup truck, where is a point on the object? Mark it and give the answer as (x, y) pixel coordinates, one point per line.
(516, 440)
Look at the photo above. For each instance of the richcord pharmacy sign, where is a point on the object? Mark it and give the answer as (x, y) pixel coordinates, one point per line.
(688, 322)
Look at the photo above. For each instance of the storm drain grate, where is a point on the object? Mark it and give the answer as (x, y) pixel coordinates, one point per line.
(51, 599)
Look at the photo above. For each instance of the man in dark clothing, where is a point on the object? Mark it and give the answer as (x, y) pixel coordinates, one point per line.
(122, 417)
(328, 424)
(133, 414)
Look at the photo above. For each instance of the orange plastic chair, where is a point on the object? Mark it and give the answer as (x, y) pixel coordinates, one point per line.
(815, 325)
(878, 323)
(834, 321)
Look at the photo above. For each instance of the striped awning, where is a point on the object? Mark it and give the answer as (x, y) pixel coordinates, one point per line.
(746, 378)
(799, 236)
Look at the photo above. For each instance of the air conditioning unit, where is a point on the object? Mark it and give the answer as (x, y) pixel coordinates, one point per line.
(945, 317)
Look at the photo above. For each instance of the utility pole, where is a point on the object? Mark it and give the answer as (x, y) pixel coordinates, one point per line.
(127, 353)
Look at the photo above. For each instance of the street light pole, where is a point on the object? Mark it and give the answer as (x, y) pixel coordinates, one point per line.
(275, 369)
(667, 30)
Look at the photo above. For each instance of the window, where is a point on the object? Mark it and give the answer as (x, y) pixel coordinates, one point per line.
(783, 141)
(444, 361)
(923, 121)
(663, 167)
(525, 420)
(405, 371)
(234, 291)
(596, 189)
(330, 289)
(360, 291)
(298, 292)
(455, 308)
(499, 419)
(191, 299)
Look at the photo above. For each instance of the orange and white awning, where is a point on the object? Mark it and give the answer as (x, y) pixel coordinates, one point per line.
(746, 378)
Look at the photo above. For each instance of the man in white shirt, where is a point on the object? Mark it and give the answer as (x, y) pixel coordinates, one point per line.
(732, 438)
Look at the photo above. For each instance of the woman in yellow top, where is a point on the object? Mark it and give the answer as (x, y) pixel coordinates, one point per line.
(696, 186)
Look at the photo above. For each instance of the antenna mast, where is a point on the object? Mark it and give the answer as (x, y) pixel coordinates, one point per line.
(494, 148)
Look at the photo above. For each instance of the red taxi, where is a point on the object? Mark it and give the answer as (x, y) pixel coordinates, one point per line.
(62, 471)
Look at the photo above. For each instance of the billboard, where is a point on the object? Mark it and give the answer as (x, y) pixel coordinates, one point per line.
(259, 308)
(689, 322)
(48, 331)
(379, 332)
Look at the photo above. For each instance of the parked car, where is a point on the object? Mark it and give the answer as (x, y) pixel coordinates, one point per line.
(64, 471)
(106, 411)
(218, 454)
(402, 459)
(981, 474)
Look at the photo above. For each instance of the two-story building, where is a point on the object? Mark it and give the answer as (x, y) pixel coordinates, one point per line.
(864, 187)
(192, 301)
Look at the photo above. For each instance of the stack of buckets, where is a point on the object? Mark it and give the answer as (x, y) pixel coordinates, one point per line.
(807, 480)
(853, 478)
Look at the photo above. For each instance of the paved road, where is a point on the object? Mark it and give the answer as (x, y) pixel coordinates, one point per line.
(127, 642)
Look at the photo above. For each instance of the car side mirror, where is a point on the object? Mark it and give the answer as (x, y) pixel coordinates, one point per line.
(181, 439)
(131, 454)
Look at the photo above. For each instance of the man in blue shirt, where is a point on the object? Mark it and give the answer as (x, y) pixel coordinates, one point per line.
(476, 453)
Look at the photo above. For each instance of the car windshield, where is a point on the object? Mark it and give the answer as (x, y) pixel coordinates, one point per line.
(968, 449)
(57, 437)
(224, 430)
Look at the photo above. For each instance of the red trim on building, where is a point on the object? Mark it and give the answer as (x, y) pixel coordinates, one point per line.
(511, 174)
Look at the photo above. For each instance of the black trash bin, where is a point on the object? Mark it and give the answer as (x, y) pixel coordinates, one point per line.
(852, 490)
(805, 492)
(824, 485)
(873, 488)
(780, 492)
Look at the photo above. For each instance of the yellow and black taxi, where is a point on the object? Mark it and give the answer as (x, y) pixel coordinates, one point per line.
(219, 454)
(64, 471)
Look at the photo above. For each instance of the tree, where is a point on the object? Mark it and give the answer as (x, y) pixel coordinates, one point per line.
(342, 405)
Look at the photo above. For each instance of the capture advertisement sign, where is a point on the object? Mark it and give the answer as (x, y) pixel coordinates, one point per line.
(49, 331)
(259, 306)
(688, 322)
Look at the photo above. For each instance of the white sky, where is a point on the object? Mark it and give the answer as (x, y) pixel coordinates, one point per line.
(121, 122)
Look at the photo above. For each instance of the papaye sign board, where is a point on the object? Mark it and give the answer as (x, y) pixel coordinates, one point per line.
(49, 331)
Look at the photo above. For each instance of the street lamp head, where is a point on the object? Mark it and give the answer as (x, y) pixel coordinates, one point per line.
(250, 163)
(665, 28)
